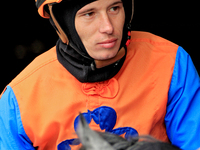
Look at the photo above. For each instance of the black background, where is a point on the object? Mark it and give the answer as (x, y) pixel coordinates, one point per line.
(26, 35)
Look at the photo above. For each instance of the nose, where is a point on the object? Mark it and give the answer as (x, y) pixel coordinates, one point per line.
(106, 25)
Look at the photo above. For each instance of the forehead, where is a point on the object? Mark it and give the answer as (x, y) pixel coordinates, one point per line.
(105, 2)
(100, 4)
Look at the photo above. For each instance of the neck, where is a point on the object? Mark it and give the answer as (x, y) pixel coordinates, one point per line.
(88, 70)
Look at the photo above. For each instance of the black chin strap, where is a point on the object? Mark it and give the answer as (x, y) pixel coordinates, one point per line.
(59, 30)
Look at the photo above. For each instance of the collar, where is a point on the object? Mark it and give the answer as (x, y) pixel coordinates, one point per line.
(87, 69)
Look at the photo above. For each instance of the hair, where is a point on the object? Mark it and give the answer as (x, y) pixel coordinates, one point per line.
(134, 143)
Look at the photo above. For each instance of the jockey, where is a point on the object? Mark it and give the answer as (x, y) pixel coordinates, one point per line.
(124, 82)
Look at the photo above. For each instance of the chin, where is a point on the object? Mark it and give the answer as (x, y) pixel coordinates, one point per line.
(105, 56)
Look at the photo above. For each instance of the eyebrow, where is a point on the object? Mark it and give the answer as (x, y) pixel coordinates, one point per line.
(91, 9)
(118, 2)
(85, 11)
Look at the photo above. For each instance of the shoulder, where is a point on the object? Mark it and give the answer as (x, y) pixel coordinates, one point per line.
(41, 65)
(149, 48)
(151, 41)
(141, 36)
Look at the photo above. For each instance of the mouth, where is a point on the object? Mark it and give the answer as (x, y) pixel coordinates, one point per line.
(110, 43)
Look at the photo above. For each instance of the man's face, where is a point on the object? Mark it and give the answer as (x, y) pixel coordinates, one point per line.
(100, 27)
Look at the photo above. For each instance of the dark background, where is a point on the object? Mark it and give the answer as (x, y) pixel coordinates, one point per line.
(26, 35)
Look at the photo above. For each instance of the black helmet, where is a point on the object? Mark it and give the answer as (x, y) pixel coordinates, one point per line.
(74, 6)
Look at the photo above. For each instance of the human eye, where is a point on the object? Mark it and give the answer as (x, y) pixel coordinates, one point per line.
(88, 14)
(114, 9)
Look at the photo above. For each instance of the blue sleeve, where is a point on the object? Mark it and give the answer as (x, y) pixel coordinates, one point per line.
(12, 134)
(183, 108)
